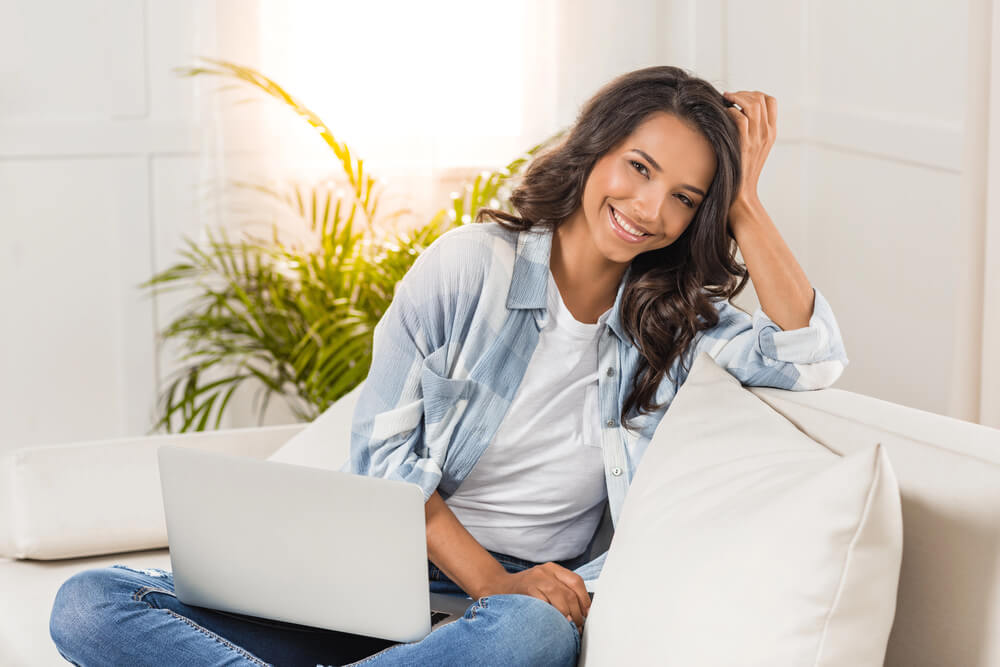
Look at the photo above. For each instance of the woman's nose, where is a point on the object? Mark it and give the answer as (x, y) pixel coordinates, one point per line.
(649, 208)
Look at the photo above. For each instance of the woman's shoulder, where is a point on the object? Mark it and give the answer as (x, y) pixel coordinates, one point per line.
(469, 255)
(478, 237)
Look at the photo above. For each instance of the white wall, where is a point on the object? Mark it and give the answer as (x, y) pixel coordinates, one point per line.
(104, 164)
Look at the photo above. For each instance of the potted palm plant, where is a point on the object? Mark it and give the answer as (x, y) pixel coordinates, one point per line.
(299, 320)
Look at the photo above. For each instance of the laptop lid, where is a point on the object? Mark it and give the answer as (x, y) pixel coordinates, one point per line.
(298, 544)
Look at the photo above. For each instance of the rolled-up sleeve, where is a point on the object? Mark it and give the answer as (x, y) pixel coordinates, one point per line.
(388, 427)
(758, 352)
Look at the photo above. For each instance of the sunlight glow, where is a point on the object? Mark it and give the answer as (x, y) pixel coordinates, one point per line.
(411, 77)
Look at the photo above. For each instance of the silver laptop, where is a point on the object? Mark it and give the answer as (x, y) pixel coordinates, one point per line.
(316, 547)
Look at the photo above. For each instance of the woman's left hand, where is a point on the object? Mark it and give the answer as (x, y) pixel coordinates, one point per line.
(758, 125)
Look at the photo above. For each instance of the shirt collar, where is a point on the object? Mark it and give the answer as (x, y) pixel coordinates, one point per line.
(529, 284)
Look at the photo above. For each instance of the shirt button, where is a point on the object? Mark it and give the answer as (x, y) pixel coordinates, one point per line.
(616, 471)
(611, 371)
(611, 422)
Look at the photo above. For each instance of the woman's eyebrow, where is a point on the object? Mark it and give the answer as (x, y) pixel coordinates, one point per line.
(657, 167)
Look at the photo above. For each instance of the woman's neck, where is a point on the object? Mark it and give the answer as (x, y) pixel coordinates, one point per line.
(587, 280)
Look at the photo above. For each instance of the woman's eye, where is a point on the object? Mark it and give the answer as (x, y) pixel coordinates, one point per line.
(640, 167)
(687, 202)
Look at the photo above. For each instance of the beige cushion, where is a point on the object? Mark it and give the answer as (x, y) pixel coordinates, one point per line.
(326, 441)
(90, 498)
(743, 541)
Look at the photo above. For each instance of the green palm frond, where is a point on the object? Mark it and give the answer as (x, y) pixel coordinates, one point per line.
(362, 185)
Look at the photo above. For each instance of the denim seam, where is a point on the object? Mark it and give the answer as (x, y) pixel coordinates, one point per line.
(139, 596)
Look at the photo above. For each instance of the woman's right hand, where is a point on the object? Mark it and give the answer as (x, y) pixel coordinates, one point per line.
(561, 588)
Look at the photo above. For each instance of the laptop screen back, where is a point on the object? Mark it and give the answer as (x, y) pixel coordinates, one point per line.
(297, 544)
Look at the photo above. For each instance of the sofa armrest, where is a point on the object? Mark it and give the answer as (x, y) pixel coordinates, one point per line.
(102, 497)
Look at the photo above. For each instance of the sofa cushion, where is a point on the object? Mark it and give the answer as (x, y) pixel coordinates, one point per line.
(326, 441)
(29, 589)
(90, 498)
(744, 541)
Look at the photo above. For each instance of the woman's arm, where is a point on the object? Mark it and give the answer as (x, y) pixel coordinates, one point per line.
(456, 552)
(782, 286)
(463, 560)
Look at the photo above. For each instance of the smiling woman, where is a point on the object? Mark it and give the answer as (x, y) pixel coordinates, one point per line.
(655, 152)
(521, 370)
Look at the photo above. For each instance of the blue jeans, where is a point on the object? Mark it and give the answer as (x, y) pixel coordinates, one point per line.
(118, 615)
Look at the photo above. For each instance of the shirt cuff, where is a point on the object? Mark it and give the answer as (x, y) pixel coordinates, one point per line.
(819, 341)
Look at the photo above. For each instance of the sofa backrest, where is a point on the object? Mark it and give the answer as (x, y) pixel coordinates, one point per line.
(948, 602)
(102, 496)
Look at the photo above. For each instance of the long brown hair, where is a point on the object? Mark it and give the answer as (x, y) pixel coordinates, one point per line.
(668, 298)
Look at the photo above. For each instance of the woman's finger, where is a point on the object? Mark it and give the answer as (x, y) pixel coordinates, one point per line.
(771, 104)
(744, 99)
(752, 104)
(540, 594)
(572, 605)
(557, 596)
(761, 116)
(742, 122)
(575, 583)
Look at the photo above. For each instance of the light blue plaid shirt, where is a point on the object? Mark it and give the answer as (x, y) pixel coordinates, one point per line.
(448, 360)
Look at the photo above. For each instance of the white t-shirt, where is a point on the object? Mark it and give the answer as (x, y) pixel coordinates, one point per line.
(538, 490)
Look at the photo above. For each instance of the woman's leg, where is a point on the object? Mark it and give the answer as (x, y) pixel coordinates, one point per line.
(502, 630)
(121, 616)
(495, 630)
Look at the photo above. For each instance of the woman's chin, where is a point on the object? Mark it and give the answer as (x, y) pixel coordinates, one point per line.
(618, 252)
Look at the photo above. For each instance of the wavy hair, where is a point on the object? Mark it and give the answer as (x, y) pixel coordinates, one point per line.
(670, 291)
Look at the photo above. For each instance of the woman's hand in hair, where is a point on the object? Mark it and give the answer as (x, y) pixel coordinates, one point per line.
(561, 588)
(758, 125)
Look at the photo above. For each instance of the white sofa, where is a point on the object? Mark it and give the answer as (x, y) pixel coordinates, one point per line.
(71, 507)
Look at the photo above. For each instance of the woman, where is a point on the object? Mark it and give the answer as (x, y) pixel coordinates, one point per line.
(520, 372)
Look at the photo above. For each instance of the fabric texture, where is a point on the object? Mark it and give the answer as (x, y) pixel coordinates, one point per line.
(744, 541)
(453, 346)
(538, 490)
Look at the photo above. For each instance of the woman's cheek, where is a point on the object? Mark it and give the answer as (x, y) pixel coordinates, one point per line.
(618, 183)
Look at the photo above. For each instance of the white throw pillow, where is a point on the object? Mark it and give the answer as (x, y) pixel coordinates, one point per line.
(326, 441)
(744, 542)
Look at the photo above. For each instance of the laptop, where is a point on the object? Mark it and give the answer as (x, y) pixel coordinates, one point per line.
(292, 543)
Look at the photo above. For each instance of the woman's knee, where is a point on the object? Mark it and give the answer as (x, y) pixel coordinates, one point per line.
(534, 627)
(82, 603)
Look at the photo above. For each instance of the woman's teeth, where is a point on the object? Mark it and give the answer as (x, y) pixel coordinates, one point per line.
(627, 227)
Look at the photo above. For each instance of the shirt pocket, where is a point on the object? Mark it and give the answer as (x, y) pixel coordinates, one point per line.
(591, 417)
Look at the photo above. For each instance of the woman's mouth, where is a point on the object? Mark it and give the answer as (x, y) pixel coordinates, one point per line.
(623, 229)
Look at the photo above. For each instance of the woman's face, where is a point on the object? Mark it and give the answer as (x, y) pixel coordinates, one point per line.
(651, 184)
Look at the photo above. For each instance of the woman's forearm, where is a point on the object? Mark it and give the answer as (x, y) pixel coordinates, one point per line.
(456, 552)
